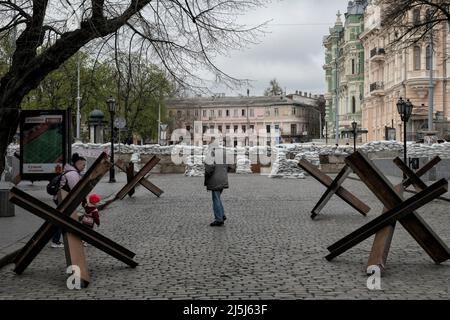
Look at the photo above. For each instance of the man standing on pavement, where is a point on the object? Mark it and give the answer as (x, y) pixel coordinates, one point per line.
(216, 179)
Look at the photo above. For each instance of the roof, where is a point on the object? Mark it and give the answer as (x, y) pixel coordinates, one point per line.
(356, 7)
(96, 114)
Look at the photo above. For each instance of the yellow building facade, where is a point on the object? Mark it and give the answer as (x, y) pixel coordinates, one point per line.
(391, 73)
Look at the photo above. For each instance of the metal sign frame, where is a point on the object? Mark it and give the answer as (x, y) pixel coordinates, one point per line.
(65, 143)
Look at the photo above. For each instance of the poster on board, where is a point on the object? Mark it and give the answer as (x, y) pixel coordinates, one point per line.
(43, 143)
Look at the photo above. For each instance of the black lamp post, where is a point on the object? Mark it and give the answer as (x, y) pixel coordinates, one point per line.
(405, 110)
(112, 109)
(354, 126)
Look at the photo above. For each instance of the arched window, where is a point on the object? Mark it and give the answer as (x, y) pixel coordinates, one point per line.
(416, 58)
(353, 66)
(428, 57)
(353, 105)
(416, 17)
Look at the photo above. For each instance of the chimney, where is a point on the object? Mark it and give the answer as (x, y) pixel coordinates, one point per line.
(296, 92)
(248, 92)
(310, 94)
(299, 93)
(306, 94)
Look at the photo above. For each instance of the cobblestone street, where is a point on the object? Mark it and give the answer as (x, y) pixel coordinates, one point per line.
(269, 247)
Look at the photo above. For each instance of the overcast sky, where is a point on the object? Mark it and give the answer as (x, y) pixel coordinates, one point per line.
(292, 52)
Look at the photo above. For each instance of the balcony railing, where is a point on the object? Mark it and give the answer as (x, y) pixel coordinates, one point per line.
(377, 88)
(377, 52)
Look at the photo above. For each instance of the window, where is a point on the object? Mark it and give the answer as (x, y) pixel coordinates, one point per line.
(293, 129)
(220, 113)
(428, 17)
(227, 113)
(227, 128)
(235, 128)
(276, 112)
(204, 113)
(243, 112)
(353, 105)
(211, 113)
(267, 112)
(188, 128)
(252, 128)
(179, 113)
(268, 128)
(428, 57)
(416, 17)
(293, 111)
(244, 128)
(220, 129)
(252, 113)
(353, 66)
(416, 58)
(205, 128)
(361, 62)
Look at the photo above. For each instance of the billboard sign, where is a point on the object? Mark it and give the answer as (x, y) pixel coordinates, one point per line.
(43, 143)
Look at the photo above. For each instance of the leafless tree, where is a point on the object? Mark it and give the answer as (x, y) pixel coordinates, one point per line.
(182, 35)
(412, 20)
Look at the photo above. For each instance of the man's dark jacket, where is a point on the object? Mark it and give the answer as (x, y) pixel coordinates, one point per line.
(216, 177)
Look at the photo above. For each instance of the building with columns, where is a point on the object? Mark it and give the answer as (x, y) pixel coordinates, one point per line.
(391, 73)
(344, 69)
(296, 117)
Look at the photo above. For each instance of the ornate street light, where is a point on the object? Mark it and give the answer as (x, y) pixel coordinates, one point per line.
(111, 103)
(354, 126)
(405, 110)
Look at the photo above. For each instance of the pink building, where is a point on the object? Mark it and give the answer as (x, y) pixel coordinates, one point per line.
(295, 116)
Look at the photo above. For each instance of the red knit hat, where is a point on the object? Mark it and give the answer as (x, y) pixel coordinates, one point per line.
(93, 198)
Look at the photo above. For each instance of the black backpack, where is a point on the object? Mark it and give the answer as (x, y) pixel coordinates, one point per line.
(54, 185)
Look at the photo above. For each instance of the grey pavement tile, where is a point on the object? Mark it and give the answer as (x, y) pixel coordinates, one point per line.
(269, 247)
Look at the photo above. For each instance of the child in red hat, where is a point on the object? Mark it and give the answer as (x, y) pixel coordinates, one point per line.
(91, 214)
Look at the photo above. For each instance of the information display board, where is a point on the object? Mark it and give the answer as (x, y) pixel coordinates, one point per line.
(43, 143)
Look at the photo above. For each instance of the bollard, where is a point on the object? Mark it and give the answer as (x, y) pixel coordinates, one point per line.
(6, 207)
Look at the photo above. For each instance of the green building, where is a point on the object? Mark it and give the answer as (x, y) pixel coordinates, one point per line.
(344, 72)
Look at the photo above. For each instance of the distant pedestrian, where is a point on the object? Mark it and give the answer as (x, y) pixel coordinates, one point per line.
(216, 179)
(70, 177)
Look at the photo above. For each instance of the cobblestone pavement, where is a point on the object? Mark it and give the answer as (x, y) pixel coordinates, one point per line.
(269, 247)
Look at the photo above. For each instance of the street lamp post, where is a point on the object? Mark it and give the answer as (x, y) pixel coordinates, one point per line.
(112, 109)
(405, 110)
(354, 126)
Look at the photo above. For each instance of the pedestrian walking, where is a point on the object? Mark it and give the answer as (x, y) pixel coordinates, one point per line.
(216, 180)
